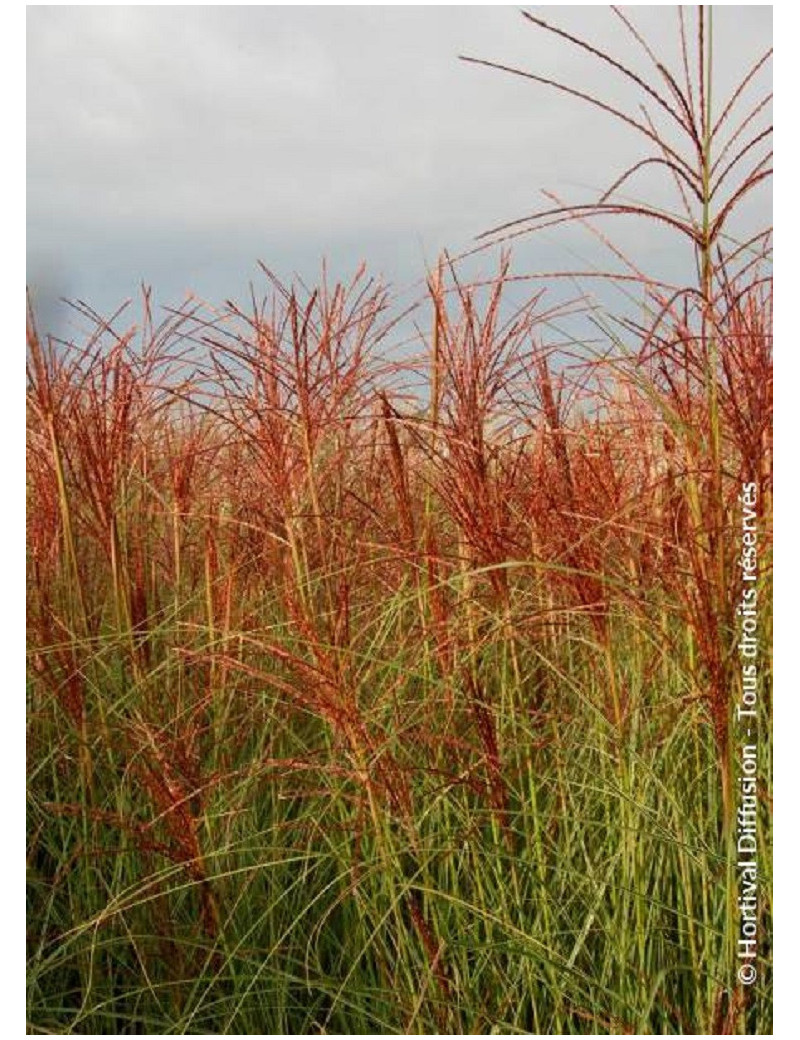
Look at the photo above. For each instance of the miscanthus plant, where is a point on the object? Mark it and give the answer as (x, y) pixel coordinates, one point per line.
(692, 352)
(358, 710)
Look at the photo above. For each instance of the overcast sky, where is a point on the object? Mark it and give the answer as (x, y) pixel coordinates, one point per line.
(180, 145)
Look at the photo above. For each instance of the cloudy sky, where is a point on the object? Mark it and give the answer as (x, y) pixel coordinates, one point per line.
(180, 145)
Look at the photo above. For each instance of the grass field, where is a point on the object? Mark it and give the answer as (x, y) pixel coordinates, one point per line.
(360, 709)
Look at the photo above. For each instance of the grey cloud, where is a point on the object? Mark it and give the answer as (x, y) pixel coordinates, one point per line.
(179, 145)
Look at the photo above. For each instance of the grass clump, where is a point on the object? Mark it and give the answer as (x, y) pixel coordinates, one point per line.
(354, 711)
